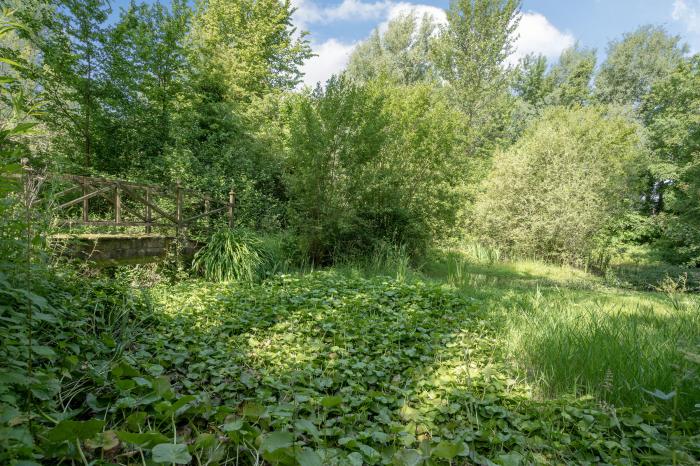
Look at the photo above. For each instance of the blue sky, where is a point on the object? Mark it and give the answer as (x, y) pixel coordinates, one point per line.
(547, 26)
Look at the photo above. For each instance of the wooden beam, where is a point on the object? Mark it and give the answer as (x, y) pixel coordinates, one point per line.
(143, 201)
(86, 196)
(210, 212)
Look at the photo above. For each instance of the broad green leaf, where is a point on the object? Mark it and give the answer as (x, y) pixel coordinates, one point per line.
(447, 450)
(171, 453)
(407, 457)
(145, 439)
(307, 457)
(331, 401)
(253, 410)
(304, 425)
(233, 426)
(75, 430)
(277, 440)
(510, 459)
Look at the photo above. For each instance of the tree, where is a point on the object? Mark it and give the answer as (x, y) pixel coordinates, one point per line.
(146, 73)
(554, 192)
(530, 81)
(636, 62)
(334, 134)
(670, 112)
(248, 44)
(370, 165)
(470, 54)
(571, 78)
(401, 54)
(71, 48)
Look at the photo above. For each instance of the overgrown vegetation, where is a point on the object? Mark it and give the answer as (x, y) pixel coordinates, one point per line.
(437, 259)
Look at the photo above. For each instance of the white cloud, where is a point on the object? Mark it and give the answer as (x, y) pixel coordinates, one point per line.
(688, 13)
(332, 57)
(537, 35)
(308, 12)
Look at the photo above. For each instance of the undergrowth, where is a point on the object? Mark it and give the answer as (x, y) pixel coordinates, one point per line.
(326, 369)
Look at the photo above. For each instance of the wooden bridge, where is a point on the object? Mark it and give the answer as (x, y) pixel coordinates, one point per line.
(143, 220)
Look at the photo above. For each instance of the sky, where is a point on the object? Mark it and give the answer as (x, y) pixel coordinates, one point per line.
(547, 26)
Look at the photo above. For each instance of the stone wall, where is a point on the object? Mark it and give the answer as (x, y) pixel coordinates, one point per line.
(117, 249)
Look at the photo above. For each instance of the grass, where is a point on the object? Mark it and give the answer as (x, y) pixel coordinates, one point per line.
(571, 333)
(232, 255)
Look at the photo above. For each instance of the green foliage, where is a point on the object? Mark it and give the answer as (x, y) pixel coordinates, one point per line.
(359, 372)
(674, 133)
(469, 55)
(571, 77)
(232, 255)
(368, 166)
(75, 328)
(249, 45)
(401, 54)
(555, 191)
(636, 62)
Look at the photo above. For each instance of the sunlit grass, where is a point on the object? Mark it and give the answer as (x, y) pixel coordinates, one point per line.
(572, 333)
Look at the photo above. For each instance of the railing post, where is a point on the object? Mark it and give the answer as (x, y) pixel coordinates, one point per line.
(148, 211)
(231, 202)
(206, 211)
(117, 203)
(86, 203)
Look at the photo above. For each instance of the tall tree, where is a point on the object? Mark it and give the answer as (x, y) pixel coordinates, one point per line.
(249, 44)
(636, 62)
(470, 55)
(672, 116)
(72, 49)
(556, 190)
(571, 77)
(400, 54)
(146, 71)
(530, 80)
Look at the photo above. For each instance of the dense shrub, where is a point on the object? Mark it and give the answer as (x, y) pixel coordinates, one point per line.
(369, 166)
(558, 188)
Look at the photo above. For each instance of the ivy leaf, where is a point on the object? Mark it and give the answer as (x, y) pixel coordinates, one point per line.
(407, 457)
(144, 439)
(171, 453)
(447, 450)
(75, 430)
(308, 457)
(253, 410)
(276, 441)
(304, 425)
(331, 401)
(510, 459)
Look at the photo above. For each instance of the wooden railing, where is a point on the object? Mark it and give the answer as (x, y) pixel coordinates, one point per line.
(133, 204)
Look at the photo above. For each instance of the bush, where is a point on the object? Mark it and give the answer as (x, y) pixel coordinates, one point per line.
(369, 165)
(233, 255)
(555, 192)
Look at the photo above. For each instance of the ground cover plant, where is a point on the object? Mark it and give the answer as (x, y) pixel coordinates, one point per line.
(336, 368)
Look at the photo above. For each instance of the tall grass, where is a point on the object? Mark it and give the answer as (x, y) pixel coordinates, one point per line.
(233, 255)
(624, 352)
(387, 259)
